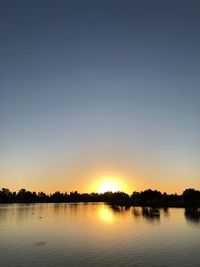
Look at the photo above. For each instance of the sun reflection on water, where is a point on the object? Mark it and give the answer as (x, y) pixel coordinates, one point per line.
(106, 215)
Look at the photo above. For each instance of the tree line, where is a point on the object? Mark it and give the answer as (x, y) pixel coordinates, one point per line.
(147, 197)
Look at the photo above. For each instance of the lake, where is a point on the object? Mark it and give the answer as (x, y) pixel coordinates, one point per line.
(95, 234)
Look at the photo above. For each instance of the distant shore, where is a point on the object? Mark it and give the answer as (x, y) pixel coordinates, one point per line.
(115, 204)
(147, 198)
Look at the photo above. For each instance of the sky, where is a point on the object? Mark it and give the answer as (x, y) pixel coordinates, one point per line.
(98, 90)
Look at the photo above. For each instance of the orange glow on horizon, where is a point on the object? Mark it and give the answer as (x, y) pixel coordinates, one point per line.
(109, 186)
(109, 183)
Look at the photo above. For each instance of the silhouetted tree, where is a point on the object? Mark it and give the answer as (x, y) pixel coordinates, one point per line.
(191, 195)
(117, 199)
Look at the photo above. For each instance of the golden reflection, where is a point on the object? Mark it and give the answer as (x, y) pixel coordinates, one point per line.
(106, 215)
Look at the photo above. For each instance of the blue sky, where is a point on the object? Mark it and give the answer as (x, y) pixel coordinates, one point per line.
(96, 88)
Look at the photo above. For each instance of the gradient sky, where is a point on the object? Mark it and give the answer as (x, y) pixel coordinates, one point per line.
(95, 89)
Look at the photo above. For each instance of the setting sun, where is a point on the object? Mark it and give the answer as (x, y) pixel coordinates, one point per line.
(109, 186)
(109, 183)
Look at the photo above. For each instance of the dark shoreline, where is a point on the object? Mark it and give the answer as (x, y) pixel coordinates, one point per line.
(117, 204)
(147, 198)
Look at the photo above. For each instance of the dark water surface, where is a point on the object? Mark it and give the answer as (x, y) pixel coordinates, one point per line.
(93, 235)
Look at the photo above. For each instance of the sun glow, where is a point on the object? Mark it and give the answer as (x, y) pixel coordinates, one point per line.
(109, 186)
(109, 183)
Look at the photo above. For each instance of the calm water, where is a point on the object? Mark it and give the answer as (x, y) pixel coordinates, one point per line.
(97, 235)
